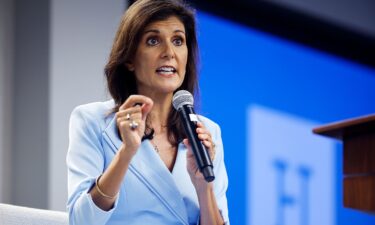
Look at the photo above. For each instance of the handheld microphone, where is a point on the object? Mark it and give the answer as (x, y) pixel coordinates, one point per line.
(183, 102)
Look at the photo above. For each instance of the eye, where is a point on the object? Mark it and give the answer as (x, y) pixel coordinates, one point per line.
(178, 41)
(152, 41)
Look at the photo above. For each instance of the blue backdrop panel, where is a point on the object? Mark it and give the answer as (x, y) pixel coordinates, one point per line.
(241, 67)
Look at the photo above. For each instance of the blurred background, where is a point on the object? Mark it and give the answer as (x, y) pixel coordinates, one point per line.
(270, 72)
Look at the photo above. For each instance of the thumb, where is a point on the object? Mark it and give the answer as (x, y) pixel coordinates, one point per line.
(146, 107)
(186, 142)
(188, 146)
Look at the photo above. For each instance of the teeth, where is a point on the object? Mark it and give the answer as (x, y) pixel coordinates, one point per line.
(166, 69)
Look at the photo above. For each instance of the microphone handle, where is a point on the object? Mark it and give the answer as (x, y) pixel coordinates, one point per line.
(202, 157)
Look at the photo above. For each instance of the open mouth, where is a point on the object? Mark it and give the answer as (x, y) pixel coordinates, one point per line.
(166, 70)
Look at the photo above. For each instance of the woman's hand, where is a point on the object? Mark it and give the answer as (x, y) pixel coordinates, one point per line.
(196, 176)
(131, 121)
(209, 211)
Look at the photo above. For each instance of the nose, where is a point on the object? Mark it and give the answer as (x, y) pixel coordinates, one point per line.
(168, 51)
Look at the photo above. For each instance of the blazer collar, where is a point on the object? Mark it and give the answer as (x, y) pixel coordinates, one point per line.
(147, 166)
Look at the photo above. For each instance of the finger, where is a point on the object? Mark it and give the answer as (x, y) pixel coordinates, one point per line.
(208, 144)
(146, 109)
(188, 146)
(204, 136)
(211, 149)
(132, 125)
(200, 130)
(186, 142)
(134, 99)
(203, 130)
(127, 116)
(133, 117)
(130, 111)
(123, 126)
(126, 124)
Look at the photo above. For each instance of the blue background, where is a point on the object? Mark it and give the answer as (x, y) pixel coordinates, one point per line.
(242, 66)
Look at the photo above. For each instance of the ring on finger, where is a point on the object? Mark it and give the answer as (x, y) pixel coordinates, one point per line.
(133, 125)
(127, 117)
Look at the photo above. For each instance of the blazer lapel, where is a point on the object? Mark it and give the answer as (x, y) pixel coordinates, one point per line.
(150, 170)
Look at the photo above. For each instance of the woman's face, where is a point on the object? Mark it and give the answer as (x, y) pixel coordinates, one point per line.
(160, 60)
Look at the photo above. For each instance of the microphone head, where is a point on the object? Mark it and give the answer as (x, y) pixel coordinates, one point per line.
(181, 98)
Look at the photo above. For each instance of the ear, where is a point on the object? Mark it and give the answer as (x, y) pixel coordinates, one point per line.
(129, 66)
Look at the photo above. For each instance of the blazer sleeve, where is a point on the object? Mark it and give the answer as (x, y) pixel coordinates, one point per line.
(221, 177)
(85, 162)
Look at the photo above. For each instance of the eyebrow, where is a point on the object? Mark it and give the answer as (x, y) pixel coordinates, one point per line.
(157, 31)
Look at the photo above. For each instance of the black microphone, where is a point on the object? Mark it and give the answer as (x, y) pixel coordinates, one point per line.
(183, 102)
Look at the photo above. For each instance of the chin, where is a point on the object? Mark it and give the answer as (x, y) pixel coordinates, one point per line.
(169, 89)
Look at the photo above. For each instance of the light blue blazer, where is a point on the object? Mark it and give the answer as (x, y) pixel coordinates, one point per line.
(150, 193)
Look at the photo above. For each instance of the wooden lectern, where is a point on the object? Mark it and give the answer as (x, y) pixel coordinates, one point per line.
(358, 136)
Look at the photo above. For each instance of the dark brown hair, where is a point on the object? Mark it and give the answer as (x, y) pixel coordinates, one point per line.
(121, 82)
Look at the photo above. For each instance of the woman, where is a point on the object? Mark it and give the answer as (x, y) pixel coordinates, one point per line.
(128, 159)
